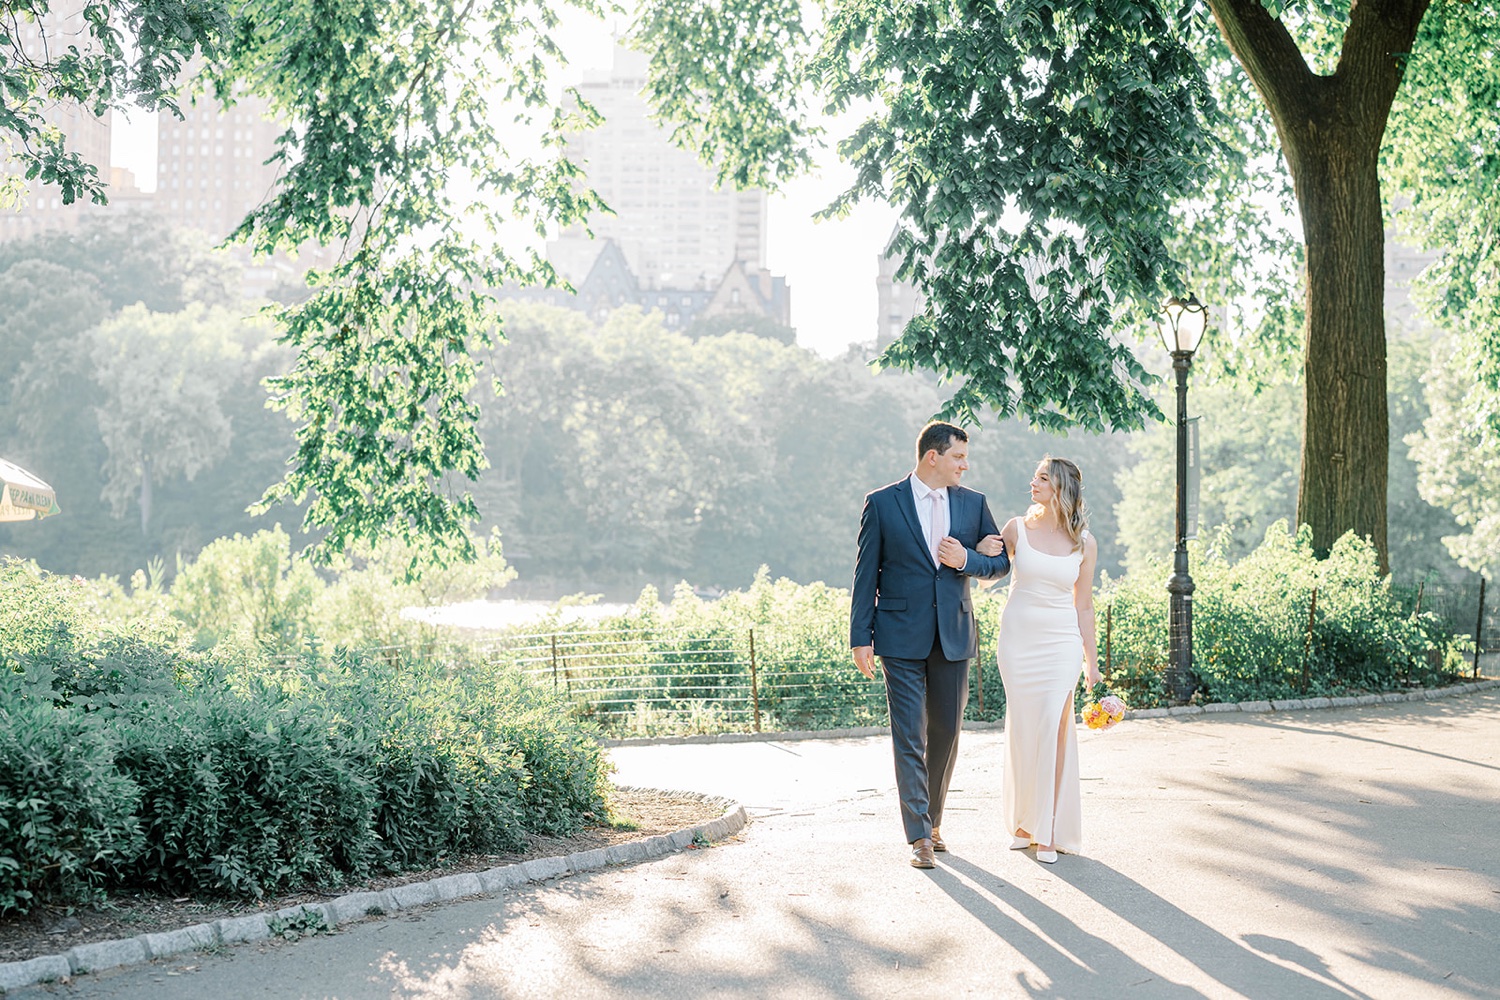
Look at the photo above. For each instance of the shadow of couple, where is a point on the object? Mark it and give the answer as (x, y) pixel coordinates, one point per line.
(1079, 962)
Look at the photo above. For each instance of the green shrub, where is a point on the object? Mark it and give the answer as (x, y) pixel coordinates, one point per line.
(242, 770)
(565, 770)
(67, 816)
(1257, 634)
(438, 797)
(656, 670)
(51, 630)
(253, 586)
(245, 797)
(447, 779)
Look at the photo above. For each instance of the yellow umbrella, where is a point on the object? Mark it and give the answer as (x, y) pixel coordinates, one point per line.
(24, 496)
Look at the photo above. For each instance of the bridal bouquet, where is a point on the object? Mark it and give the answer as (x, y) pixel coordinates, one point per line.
(1104, 712)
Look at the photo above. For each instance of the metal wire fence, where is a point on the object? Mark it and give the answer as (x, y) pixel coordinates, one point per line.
(1470, 606)
(658, 680)
(650, 681)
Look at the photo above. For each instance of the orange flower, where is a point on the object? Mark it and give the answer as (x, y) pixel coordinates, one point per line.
(1103, 713)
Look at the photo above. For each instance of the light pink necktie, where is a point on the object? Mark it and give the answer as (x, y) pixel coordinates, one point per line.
(934, 534)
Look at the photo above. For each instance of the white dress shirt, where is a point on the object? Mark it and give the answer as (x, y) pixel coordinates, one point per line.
(920, 492)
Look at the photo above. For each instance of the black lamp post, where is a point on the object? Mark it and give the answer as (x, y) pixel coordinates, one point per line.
(1182, 324)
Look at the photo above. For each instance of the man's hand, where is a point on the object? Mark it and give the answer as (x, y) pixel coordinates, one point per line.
(951, 552)
(864, 659)
(990, 545)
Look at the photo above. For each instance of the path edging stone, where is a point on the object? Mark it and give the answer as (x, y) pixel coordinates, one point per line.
(356, 906)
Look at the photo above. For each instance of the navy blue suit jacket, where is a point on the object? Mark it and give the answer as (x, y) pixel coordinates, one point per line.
(901, 600)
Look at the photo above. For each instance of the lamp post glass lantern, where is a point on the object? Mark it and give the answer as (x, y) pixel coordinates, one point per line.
(1182, 323)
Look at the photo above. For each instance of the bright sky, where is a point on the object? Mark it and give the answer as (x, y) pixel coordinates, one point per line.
(830, 266)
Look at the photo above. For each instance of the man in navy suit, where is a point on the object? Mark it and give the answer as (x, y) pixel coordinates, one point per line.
(912, 607)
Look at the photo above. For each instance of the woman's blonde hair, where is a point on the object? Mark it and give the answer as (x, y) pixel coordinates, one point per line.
(1067, 489)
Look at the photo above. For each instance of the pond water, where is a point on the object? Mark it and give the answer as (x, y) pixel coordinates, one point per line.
(507, 613)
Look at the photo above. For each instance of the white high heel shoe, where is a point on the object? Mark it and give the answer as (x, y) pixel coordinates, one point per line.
(1046, 857)
(1019, 843)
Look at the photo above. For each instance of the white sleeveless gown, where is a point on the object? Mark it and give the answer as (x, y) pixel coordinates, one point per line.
(1041, 655)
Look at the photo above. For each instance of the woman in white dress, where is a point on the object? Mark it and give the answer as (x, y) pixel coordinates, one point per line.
(1046, 636)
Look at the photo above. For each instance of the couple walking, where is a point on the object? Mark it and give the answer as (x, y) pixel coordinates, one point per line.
(921, 540)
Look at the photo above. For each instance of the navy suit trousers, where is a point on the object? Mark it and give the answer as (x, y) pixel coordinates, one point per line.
(926, 699)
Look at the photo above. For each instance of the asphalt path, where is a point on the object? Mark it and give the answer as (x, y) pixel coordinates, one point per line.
(1325, 854)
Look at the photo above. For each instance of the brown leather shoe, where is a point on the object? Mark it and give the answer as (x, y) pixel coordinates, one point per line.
(938, 844)
(921, 854)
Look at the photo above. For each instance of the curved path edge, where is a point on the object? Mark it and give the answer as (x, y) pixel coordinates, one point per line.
(1277, 705)
(358, 906)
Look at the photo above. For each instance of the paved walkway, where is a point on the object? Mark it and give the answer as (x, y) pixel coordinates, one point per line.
(1337, 853)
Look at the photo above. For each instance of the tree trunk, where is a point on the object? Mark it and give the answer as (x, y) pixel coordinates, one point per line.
(145, 496)
(1345, 435)
(1330, 129)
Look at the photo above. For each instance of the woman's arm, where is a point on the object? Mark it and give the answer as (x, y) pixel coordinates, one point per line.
(990, 545)
(1083, 602)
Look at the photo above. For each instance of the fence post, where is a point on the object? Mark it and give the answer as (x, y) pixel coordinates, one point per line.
(1312, 609)
(1479, 627)
(979, 664)
(1109, 627)
(555, 658)
(754, 682)
(1417, 611)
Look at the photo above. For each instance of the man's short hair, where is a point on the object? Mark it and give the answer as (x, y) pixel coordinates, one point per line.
(939, 436)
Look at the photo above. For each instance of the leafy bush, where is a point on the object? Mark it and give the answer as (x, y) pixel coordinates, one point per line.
(656, 670)
(257, 587)
(565, 770)
(248, 585)
(687, 668)
(67, 817)
(52, 631)
(439, 797)
(132, 759)
(445, 781)
(1257, 634)
(245, 796)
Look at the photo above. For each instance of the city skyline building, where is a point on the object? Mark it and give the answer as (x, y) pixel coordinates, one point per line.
(896, 301)
(41, 208)
(675, 228)
(211, 168)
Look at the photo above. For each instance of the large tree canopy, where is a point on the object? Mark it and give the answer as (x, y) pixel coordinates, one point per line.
(1061, 165)
(1059, 168)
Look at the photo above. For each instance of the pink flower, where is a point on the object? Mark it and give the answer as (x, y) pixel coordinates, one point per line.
(1104, 713)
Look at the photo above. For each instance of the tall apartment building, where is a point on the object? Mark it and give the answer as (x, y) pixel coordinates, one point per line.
(897, 301)
(210, 166)
(675, 230)
(42, 208)
(1402, 264)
